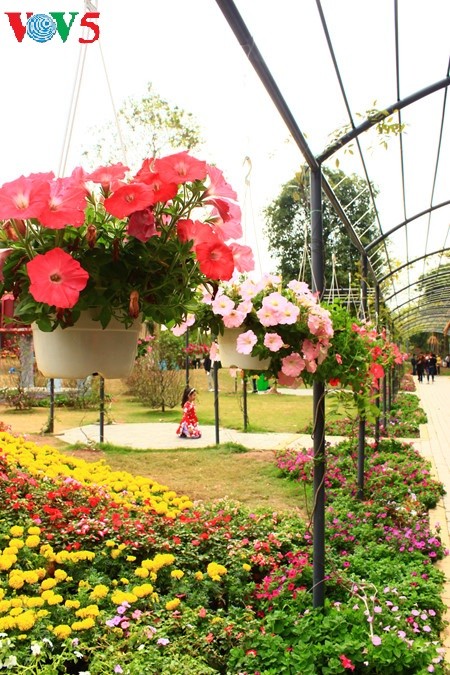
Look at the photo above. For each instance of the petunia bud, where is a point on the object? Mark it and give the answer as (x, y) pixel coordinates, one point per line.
(91, 235)
(133, 309)
(14, 228)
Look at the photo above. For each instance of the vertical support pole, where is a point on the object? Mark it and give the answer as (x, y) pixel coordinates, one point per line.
(186, 362)
(216, 400)
(377, 396)
(317, 264)
(102, 409)
(362, 418)
(245, 400)
(51, 418)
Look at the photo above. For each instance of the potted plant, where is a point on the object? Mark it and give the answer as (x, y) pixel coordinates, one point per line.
(111, 250)
(283, 329)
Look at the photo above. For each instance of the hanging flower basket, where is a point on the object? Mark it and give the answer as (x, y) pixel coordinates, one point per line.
(87, 348)
(229, 357)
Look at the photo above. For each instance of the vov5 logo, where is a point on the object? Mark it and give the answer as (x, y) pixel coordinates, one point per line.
(43, 27)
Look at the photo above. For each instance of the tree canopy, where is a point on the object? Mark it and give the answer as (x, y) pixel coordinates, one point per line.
(148, 127)
(288, 220)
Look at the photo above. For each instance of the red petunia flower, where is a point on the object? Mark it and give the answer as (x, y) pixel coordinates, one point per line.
(163, 190)
(56, 278)
(243, 257)
(142, 225)
(196, 231)
(346, 663)
(129, 198)
(215, 260)
(109, 177)
(218, 186)
(180, 168)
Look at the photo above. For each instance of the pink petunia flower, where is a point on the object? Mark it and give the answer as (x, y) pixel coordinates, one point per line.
(273, 342)
(293, 364)
(56, 278)
(245, 342)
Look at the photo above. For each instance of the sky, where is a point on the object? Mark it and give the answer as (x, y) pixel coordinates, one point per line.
(50, 107)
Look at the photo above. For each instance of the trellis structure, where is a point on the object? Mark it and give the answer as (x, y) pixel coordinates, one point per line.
(412, 276)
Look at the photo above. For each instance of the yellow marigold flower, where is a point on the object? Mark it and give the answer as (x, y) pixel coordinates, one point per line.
(142, 590)
(90, 610)
(16, 543)
(84, 584)
(118, 597)
(16, 530)
(47, 551)
(2, 593)
(77, 556)
(85, 624)
(122, 546)
(41, 572)
(42, 613)
(62, 631)
(55, 599)
(7, 623)
(162, 560)
(173, 604)
(16, 602)
(198, 576)
(154, 597)
(131, 558)
(124, 581)
(7, 561)
(141, 572)
(10, 550)
(115, 553)
(4, 606)
(34, 602)
(216, 619)
(47, 594)
(34, 530)
(60, 575)
(246, 567)
(31, 576)
(72, 604)
(26, 620)
(110, 543)
(32, 541)
(16, 580)
(177, 574)
(215, 571)
(16, 611)
(100, 591)
(48, 583)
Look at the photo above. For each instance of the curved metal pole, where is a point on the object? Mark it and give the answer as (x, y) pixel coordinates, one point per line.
(362, 418)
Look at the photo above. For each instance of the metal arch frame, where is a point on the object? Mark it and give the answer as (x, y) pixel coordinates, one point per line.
(253, 54)
(425, 282)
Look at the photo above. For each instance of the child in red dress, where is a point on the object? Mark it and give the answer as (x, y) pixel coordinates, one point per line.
(188, 427)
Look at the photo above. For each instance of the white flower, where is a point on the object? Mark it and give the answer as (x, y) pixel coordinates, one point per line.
(35, 648)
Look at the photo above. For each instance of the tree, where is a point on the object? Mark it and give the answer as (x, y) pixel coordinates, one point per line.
(288, 225)
(147, 127)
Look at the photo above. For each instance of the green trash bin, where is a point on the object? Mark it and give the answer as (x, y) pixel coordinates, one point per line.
(262, 383)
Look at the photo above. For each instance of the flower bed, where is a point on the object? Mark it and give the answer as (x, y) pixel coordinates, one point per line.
(104, 572)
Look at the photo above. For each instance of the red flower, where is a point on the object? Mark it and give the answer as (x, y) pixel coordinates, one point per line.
(196, 231)
(109, 177)
(376, 370)
(218, 186)
(56, 278)
(334, 382)
(180, 168)
(142, 225)
(162, 190)
(215, 260)
(346, 663)
(129, 198)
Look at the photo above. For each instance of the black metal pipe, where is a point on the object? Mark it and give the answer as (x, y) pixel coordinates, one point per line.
(362, 419)
(51, 417)
(102, 409)
(317, 264)
(186, 362)
(216, 400)
(245, 400)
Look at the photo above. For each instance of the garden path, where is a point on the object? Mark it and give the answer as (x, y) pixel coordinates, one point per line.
(434, 445)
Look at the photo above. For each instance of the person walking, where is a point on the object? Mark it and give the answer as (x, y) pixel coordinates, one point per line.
(420, 367)
(207, 365)
(432, 367)
(188, 427)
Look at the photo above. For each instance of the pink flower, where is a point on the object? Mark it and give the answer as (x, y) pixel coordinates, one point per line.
(245, 342)
(273, 342)
(292, 365)
(243, 257)
(222, 304)
(376, 640)
(233, 319)
(268, 316)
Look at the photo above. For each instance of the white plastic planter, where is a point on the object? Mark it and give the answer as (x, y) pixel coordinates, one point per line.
(87, 348)
(229, 357)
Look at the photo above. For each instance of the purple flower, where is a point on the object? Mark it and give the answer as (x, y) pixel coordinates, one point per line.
(118, 669)
(162, 641)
